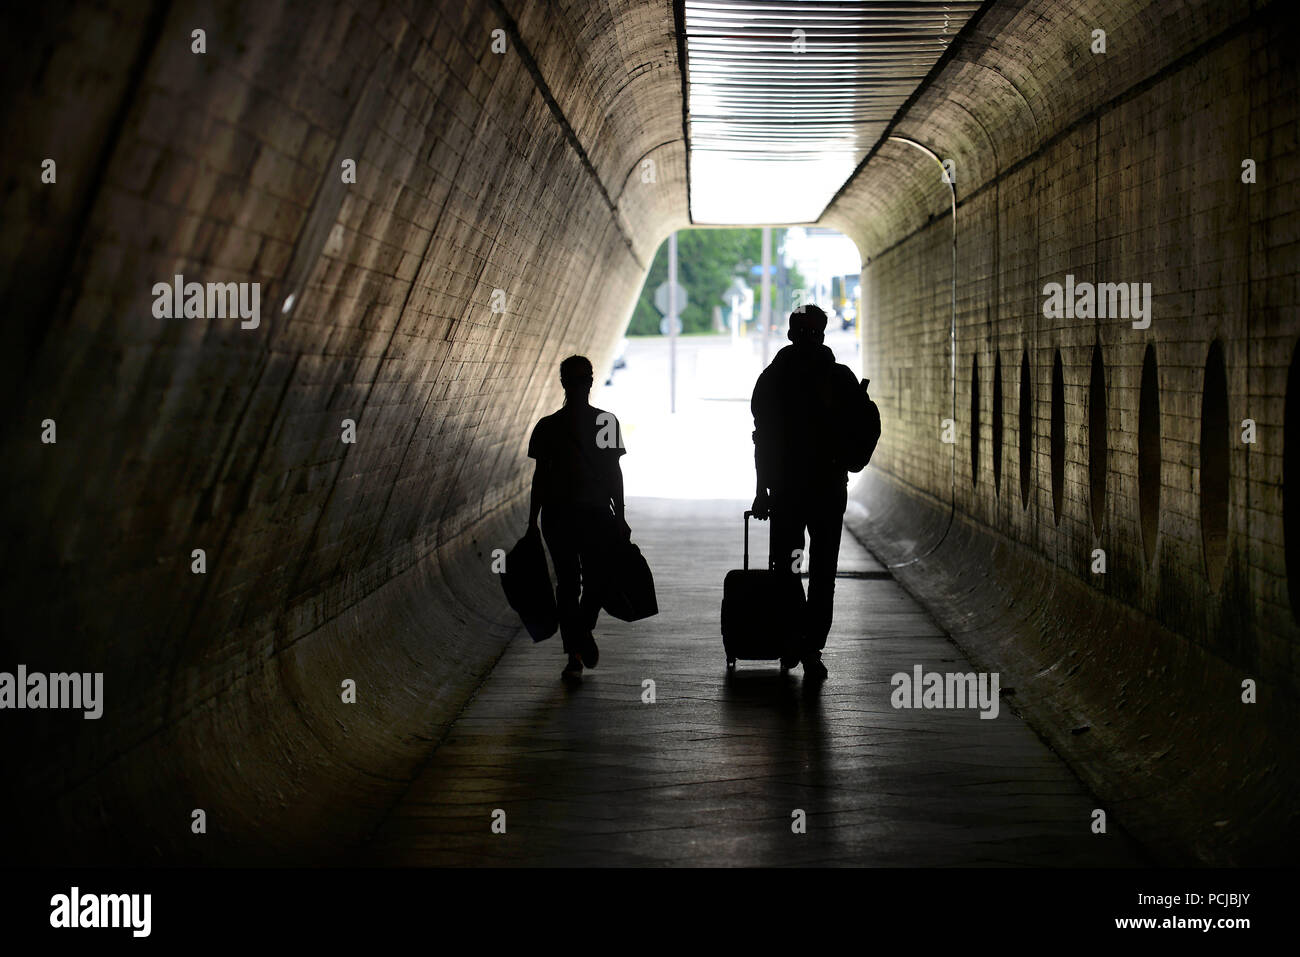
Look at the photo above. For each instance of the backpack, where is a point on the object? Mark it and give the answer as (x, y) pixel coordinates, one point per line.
(859, 428)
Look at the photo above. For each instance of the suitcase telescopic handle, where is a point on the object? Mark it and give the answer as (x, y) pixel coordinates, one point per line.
(748, 513)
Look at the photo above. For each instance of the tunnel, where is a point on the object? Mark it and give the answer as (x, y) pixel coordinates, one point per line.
(268, 520)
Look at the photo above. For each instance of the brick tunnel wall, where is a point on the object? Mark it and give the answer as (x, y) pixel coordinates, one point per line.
(1123, 166)
(548, 171)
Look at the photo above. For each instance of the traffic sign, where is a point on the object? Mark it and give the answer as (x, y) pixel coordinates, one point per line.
(662, 301)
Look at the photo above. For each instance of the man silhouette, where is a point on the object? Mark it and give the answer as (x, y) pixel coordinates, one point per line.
(801, 482)
(578, 491)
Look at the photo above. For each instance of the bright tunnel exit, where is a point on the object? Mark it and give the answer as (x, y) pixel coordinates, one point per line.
(704, 450)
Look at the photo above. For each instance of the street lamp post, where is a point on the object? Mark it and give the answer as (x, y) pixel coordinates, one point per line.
(765, 310)
(672, 323)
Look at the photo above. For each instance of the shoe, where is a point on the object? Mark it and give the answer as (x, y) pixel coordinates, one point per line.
(590, 654)
(813, 667)
(573, 669)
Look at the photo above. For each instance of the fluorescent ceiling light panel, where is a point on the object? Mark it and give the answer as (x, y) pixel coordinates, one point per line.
(787, 96)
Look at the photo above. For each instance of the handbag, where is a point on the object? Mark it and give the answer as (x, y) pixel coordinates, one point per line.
(627, 587)
(527, 584)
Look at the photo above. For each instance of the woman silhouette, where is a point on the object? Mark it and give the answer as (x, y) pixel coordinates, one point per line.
(578, 490)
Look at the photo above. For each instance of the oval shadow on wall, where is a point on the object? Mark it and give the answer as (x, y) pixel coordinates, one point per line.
(1291, 483)
(1214, 465)
(997, 424)
(1149, 454)
(1058, 437)
(1097, 440)
(974, 420)
(1026, 429)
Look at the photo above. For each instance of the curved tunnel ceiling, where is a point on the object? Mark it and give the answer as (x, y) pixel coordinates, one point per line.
(786, 97)
(534, 153)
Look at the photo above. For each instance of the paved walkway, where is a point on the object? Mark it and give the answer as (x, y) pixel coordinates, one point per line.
(712, 771)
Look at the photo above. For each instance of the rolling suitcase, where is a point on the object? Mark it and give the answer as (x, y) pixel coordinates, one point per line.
(762, 611)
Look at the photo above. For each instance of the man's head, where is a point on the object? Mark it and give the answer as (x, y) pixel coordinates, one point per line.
(576, 376)
(807, 326)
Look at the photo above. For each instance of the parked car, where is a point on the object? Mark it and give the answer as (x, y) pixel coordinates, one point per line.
(620, 360)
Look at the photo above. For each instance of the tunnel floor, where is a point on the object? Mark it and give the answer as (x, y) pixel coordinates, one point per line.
(713, 771)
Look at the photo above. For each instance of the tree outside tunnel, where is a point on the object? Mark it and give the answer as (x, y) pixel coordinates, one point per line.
(707, 262)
